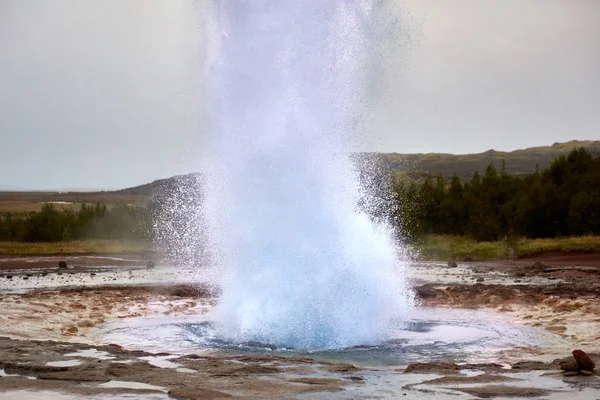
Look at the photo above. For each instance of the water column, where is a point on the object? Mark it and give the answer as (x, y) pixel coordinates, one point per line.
(301, 265)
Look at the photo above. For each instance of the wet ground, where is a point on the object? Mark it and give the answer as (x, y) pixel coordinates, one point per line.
(108, 328)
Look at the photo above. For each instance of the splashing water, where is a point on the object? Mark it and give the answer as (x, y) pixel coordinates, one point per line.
(302, 266)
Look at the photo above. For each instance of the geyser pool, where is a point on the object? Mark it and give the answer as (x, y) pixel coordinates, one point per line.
(301, 265)
(430, 334)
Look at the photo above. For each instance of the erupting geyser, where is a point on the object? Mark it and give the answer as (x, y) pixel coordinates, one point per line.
(302, 266)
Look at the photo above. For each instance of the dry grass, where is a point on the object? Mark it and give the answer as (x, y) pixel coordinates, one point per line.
(71, 247)
(445, 247)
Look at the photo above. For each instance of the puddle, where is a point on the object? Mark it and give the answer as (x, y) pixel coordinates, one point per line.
(68, 363)
(131, 385)
(91, 353)
(4, 374)
(161, 362)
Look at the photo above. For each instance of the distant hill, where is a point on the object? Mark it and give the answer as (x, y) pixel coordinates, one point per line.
(161, 185)
(518, 162)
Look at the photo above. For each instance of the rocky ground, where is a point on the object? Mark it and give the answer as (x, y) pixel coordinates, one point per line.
(49, 346)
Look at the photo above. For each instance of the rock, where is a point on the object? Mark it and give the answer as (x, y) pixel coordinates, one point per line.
(571, 373)
(196, 394)
(480, 279)
(452, 264)
(425, 292)
(150, 265)
(28, 369)
(432, 368)
(488, 367)
(584, 361)
(540, 265)
(531, 366)
(340, 368)
(569, 365)
(586, 372)
(468, 259)
(70, 330)
(127, 371)
(62, 264)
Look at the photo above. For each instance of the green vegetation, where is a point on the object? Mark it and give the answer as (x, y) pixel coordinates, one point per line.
(562, 200)
(446, 247)
(121, 221)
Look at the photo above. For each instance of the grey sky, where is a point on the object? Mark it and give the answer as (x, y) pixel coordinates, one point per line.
(105, 94)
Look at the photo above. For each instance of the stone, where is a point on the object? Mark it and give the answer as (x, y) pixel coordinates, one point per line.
(531, 366)
(340, 368)
(425, 292)
(480, 279)
(432, 368)
(540, 265)
(150, 265)
(62, 264)
(586, 372)
(70, 331)
(452, 264)
(584, 361)
(570, 365)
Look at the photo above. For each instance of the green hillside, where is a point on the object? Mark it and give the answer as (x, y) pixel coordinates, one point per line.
(518, 162)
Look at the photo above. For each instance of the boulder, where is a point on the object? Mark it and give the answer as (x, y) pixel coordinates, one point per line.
(570, 365)
(425, 292)
(62, 264)
(531, 366)
(452, 264)
(432, 368)
(540, 265)
(584, 361)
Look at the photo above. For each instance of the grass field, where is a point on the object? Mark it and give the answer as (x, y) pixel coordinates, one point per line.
(443, 247)
(72, 247)
(434, 247)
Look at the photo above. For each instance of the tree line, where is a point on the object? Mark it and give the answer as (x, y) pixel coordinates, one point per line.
(561, 200)
(120, 221)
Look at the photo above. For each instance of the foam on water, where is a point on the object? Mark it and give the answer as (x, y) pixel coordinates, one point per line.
(302, 265)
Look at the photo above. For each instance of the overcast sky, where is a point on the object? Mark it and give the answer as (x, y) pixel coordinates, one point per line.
(105, 94)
